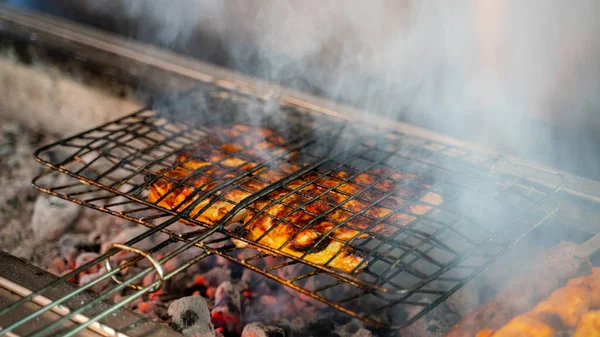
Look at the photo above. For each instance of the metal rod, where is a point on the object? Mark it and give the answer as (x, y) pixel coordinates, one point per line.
(43, 301)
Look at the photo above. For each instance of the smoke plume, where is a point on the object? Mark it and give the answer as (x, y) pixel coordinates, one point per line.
(497, 73)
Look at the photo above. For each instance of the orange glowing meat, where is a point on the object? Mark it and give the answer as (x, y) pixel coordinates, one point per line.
(486, 333)
(566, 307)
(525, 326)
(315, 217)
(213, 162)
(568, 304)
(589, 325)
(286, 230)
(592, 284)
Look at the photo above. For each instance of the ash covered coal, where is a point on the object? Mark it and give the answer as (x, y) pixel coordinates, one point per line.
(213, 293)
(18, 198)
(190, 316)
(211, 297)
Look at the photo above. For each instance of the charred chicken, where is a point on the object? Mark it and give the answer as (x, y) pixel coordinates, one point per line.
(316, 217)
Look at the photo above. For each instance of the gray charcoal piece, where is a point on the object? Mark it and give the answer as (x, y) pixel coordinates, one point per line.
(259, 329)
(217, 276)
(70, 245)
(228, 301)
(191, 317)
(354, 328)
(228, 293)
(52, 216)
(362, 333)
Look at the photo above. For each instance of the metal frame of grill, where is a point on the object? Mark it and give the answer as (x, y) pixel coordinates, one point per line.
(111, 167)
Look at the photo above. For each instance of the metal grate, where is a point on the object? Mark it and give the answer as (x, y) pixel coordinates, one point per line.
(447, 212)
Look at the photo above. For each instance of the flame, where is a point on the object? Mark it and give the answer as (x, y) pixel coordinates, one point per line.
(145, 307)
(154, 295)
(221, 317)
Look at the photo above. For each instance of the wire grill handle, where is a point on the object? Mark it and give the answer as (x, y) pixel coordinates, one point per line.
(153, 261)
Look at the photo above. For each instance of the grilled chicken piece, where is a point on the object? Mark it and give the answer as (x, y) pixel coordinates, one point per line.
(589, 325)
(352, 210)
(592, 284)
(219, 162)
(566, 307)
(525, 326)
(306, 218)
(567, 304)
(486, 333)
(329, 253)
(562, 262)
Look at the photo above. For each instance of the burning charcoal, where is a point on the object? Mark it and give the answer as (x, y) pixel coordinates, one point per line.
(262, 289)
(84, 258)
(465, 300)
(227, 310)
(258, 329)
(58, 266)
(71, 245)
(221, 261)
(362, 333)
(435, 323)
(321, 327)
(268, 300)
(250, 277)
(125, 235)
(191, 317)
(52, 216)
(97, 224)
(99, 287)
(216, 276)
(354, 328)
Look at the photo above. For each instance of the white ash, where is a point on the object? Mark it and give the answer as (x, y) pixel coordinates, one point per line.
(126, 234)
(191, 317)
(87, 278)
(228, 292)
(435, 323)
(72, 246)
(217, 276)
(86, 257)
(97, 225)
(259, 329)
(17, 199)
(52, 217)
(362, 333)
(464, 300)
(354, 328)
(227, 310)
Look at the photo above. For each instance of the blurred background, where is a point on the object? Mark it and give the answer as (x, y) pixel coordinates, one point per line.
(518, 76)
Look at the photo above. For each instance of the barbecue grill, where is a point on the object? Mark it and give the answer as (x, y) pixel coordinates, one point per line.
(490, 202)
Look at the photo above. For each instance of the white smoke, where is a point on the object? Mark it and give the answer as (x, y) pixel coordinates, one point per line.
(481, 70)
(489, 71)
